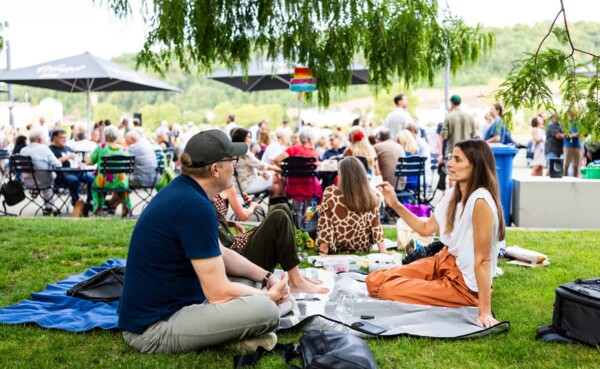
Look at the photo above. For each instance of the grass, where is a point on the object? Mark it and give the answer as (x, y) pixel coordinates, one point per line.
(34, 252)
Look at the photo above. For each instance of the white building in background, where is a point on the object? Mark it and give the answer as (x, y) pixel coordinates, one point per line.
(25, 113)
(50, 109)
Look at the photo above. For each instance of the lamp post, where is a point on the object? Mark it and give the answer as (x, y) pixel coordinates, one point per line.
(11, 118)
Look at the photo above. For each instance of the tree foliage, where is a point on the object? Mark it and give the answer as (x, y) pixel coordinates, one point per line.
(107, 111)
(403, 39)
(248, 114)
(1, 38)
(527, 85)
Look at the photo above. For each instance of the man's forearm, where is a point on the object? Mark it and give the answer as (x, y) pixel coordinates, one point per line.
(238, 266)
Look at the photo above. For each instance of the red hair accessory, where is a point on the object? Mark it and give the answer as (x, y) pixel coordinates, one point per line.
(357, 136)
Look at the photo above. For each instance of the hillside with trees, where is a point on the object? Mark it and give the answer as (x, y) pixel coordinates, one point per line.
(202, 95)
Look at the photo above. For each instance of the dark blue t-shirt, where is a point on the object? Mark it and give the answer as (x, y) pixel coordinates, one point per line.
(497, 128)
(59, 152)
(331, 153)
(179, 224)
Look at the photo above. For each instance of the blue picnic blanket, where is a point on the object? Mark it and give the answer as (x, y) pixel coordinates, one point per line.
(52, 308)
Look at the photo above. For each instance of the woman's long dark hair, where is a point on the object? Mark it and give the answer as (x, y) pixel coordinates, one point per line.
(480, 156)
(499, 108)
(239, 134)
(354, 184)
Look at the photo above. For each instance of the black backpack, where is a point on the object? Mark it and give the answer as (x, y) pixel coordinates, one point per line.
(13, 192)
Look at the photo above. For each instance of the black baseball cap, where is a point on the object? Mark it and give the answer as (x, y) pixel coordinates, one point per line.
(210, 146)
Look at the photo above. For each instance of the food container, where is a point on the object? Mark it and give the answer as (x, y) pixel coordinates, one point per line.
(336, 265)
(383, 261)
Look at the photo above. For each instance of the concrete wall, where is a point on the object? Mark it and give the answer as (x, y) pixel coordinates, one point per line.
(543, 202)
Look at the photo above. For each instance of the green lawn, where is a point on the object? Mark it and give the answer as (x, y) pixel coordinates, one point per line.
(34, 252)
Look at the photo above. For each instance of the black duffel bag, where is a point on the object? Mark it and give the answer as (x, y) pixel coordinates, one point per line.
(576, 316)
(105, 286)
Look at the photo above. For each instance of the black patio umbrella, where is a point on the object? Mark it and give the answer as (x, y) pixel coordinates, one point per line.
(264, 76)
(84, 73)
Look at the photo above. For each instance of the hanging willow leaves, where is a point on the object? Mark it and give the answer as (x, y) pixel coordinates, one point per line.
(527, 85)
(400, 39)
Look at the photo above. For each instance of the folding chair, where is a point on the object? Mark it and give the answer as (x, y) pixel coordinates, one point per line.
(4, 178)
(145, 193)
(115, 165)
(22, 167)
(62, 194)
(411, 167)
(433, 187)
(300, 173)
(364, 162)
(301, 185)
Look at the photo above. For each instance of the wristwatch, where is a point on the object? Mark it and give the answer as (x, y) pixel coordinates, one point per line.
(265, 280)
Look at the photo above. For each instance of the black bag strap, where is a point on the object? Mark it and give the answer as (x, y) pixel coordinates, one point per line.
(549, 334)
(288, 352)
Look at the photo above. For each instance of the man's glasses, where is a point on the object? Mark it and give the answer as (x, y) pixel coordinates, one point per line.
(234, 160)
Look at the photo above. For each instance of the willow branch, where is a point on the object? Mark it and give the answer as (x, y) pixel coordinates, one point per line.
(549, 32)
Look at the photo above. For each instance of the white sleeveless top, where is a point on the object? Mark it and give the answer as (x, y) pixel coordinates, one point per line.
(460, 242)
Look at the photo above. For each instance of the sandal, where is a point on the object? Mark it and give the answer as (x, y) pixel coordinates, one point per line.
(50, 212)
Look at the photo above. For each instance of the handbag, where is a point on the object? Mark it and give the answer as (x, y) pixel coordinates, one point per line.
(13, 192)
(320, 349)
(225, 236)
(105, 286)
(306, 216)
(167, 176)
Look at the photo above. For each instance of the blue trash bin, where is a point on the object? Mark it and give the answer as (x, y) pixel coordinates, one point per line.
(504, 156)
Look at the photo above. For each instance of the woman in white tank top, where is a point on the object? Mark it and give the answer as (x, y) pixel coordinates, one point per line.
(471, 225)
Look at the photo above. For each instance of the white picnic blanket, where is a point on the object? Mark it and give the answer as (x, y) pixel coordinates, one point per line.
(348, 302)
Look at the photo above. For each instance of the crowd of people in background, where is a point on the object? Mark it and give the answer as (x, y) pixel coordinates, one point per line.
(378, 145)
(219, 167)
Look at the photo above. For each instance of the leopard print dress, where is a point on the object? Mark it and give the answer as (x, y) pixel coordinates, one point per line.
(344, 230)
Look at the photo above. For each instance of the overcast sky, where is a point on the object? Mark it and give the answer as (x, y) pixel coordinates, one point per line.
(44, 30)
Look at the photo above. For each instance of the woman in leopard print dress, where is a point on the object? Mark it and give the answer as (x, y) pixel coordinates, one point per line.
(349, 217)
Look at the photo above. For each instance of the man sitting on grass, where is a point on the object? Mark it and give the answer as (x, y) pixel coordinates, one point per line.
(177, 295)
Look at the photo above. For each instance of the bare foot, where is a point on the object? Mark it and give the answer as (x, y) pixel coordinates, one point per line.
(306, 286)
(313, 281)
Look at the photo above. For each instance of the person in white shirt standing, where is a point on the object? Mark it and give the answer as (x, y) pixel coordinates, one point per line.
(230, 125)
(399, 117)
(471, 224)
